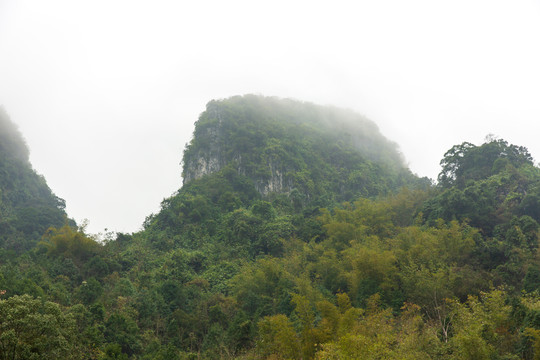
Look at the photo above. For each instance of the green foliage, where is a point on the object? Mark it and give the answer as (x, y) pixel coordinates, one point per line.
(114, 352)
(482, 328)
(121, 330)
(32, 329)
(531, 282)
(277, 337)
(89, 291)
(487, 185)
(467, 162)
(263, 288)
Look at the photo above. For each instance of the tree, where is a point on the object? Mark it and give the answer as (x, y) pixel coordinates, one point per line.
(32, 329)
(278, 338)
(467, 161)
(69, 243)
(482, 328)
(123, 331)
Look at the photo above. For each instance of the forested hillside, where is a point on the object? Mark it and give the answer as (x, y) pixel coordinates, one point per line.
(298, 234)
(27, 205)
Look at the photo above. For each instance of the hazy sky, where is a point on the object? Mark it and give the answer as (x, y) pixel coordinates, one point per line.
(106, 92)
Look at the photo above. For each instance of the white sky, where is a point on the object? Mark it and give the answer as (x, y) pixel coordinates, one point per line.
(106, 92)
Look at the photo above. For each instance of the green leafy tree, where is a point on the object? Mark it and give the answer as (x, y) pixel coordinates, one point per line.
(33, 329)
(466, 162)
(122, 330)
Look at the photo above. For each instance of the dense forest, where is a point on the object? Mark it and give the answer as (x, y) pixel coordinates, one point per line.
(299, 233)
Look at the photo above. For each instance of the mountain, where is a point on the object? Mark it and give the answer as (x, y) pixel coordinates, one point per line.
(282, 144)
(289, 157)
(27, 205)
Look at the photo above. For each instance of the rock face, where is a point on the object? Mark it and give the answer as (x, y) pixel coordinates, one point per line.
(212, 159)
(202, 167)
(275, 183)
(206, 161)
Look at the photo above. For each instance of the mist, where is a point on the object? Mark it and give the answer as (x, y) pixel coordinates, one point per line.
(106, 93)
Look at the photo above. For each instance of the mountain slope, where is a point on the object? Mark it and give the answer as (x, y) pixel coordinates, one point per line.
(27, 205)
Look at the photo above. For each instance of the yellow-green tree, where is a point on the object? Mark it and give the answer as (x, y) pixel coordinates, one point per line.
(377, 334)
(70, 243)
(277, 338)
(482, 328)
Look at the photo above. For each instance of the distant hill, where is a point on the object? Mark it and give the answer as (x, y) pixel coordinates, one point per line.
(27, 205)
